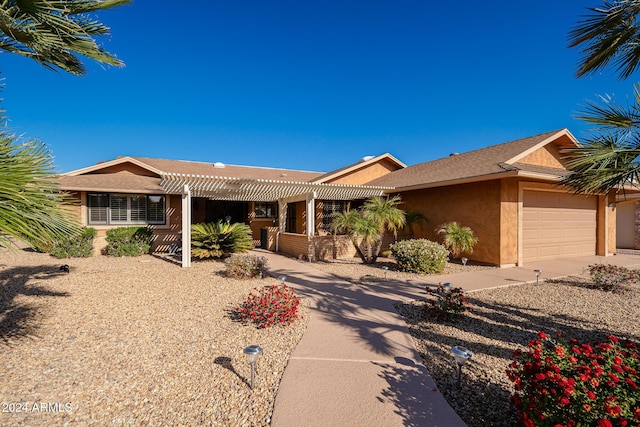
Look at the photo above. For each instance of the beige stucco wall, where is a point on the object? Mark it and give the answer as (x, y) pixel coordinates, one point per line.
(549, 156)
(626, 225)
(366, 174)
(508, 222)
(476, 205)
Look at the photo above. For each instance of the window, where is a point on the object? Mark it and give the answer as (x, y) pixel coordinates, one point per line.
(265, 210)
(125, 209)
(291, 218)
(98, 205)
(329, 208)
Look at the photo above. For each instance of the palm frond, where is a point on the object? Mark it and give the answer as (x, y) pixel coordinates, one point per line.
(56, 33)
(609, 35)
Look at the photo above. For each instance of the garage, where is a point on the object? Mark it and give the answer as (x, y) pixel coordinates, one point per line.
(558, 225)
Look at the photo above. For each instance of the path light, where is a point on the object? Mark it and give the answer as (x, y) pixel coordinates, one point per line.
(385, 268)
(282, 279)
(253, 352)
(464, 262)
(461, 355)
(448, 286)
(538, 273)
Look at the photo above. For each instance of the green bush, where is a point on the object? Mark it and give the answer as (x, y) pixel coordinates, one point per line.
(76, 246)
(420, 256)
(246, 266)
(129, 241)
(220, 239)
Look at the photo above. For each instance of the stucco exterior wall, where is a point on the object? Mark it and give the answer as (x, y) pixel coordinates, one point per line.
(549, 156)
(476, 205)
(366, 174)
(508, 222)
(626, 225)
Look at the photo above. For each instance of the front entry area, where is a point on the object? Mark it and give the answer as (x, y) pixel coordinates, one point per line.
(222, 210)
(558, 225)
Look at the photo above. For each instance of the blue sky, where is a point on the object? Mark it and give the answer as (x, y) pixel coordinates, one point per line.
(310, 85)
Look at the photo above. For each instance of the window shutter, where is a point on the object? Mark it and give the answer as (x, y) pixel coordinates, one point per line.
(118, 208)
(138, 208)
(97, 205)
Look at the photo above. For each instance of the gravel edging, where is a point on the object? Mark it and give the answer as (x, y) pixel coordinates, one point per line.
(132, 341)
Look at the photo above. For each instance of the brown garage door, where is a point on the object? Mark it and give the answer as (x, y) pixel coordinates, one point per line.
(558, 225)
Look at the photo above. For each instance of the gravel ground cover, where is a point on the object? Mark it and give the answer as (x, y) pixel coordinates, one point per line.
(503, 320)
(132, 341)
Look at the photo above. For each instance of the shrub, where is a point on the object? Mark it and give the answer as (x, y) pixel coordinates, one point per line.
(78, 245)
(576, 384)
(457, 239)
(277, 304)
(220, 239)
(448, 304)
(246, 266)
(420, 256)
(612, 277)
(129, 241)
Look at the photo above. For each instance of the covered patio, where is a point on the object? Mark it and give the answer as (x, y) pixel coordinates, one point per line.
(258, 190)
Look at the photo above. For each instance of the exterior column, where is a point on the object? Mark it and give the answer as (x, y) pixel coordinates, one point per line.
(186, 226)
(311, 214)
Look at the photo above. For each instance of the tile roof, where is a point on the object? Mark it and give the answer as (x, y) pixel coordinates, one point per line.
(473, 164)
(229, 171)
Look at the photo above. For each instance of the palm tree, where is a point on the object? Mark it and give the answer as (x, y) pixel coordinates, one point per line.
(609, 158)
(29, 197)
(55, 33)
(458, 239)
(414, 218)
(367, 225)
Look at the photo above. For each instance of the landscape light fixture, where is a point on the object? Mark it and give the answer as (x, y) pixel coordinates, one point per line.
(385, 269)
(253, 352)
(448, 286)
(538, 273)
(464, 262)
(461, 354)
(282, 279)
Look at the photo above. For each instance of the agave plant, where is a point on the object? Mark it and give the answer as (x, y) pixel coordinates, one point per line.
(220, 239)
(457, 239)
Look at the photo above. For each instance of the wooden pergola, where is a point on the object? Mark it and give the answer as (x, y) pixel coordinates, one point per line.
(257, 190)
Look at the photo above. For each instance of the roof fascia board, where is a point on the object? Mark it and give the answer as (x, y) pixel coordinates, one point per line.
(361, 165)
(110, 163)
(562, 132)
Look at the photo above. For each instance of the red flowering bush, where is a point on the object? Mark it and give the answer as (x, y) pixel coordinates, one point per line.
(448, 304)
(612, 277)
(277, 304)
(574, 384)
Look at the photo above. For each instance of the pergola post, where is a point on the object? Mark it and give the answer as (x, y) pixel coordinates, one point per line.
(311, 214)
(282, 215)
(186, 226)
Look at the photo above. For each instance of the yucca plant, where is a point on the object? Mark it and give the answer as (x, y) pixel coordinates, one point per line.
(220, 239)
(457, 239)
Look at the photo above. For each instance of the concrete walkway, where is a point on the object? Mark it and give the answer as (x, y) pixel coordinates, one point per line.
(356, 364)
